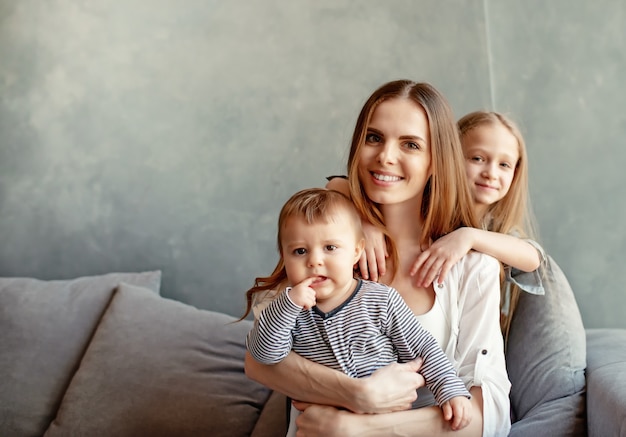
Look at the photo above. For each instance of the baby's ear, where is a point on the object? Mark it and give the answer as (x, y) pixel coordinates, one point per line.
(358, 250)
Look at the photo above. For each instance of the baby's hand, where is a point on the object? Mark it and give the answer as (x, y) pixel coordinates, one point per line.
(459, 410)
(436, 261)
(303, 295)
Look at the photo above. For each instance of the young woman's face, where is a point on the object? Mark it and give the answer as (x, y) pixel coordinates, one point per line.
(491, 155)
(395, 161)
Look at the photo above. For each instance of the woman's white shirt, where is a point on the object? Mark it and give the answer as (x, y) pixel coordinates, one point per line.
(470, 296)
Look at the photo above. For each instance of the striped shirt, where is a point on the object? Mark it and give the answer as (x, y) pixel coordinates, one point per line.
(373, 328)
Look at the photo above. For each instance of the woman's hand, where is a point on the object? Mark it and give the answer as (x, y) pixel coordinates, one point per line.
(372, 264)
(436, 261)
(390, 388)
(324, 421)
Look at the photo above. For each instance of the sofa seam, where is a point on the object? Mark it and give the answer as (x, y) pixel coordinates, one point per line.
(76, 367)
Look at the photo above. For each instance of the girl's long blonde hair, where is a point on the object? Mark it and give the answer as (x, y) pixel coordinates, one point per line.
(446, 201)
(314, 205)
(512, 214)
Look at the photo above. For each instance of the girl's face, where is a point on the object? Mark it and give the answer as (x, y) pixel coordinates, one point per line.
(395, 161)
(491, 155)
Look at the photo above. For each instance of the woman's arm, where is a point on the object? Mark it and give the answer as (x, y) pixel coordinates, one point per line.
(438, 259)
(391, 388)
(324, 421)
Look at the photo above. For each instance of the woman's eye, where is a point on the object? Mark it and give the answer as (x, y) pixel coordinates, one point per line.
(372, 138)
(299, 251)
(331, 247)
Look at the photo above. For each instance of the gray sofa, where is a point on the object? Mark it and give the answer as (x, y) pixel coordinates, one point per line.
(107, 356)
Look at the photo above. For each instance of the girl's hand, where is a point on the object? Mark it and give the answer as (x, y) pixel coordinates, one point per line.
(436, 261)
(459, 411)
(324, 421)
(390, 388)
(372, 263)
(303, 295)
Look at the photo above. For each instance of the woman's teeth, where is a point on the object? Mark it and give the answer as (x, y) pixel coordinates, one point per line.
(386, 178)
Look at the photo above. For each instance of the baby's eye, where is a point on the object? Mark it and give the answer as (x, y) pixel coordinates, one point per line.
(299, 251)
(331, 247)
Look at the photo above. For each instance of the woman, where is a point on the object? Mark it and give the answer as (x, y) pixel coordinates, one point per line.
(406, 176)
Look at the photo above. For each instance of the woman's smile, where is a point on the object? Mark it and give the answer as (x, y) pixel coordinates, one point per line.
(394, 161)
(385, 178)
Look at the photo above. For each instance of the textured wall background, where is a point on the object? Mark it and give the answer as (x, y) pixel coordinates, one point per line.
(165, 134)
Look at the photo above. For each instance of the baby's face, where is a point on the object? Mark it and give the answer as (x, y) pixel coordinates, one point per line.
(326, 251)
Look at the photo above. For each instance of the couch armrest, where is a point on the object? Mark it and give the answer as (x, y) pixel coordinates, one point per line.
(606, 382)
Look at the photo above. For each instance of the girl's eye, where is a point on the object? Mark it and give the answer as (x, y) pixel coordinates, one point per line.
(331, 247)
(299, 251)
(505, 165)
(476, 158)
(413, 146)
(372, 138)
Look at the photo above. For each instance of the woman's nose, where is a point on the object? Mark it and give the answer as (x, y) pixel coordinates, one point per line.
(387, 154)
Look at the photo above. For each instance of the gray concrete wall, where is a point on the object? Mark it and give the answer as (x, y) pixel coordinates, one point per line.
(167, 134)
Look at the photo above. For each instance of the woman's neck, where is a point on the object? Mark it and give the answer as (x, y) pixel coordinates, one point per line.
(405, 225)
(403, 222)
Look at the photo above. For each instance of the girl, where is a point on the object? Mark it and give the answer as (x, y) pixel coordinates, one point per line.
(497, 170)
(406, 176)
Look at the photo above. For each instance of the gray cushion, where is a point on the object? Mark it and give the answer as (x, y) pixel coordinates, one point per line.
(606, 382)
(46, 326)
(554, 418)
(273, 419)
(157, 367)
(546, 360)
